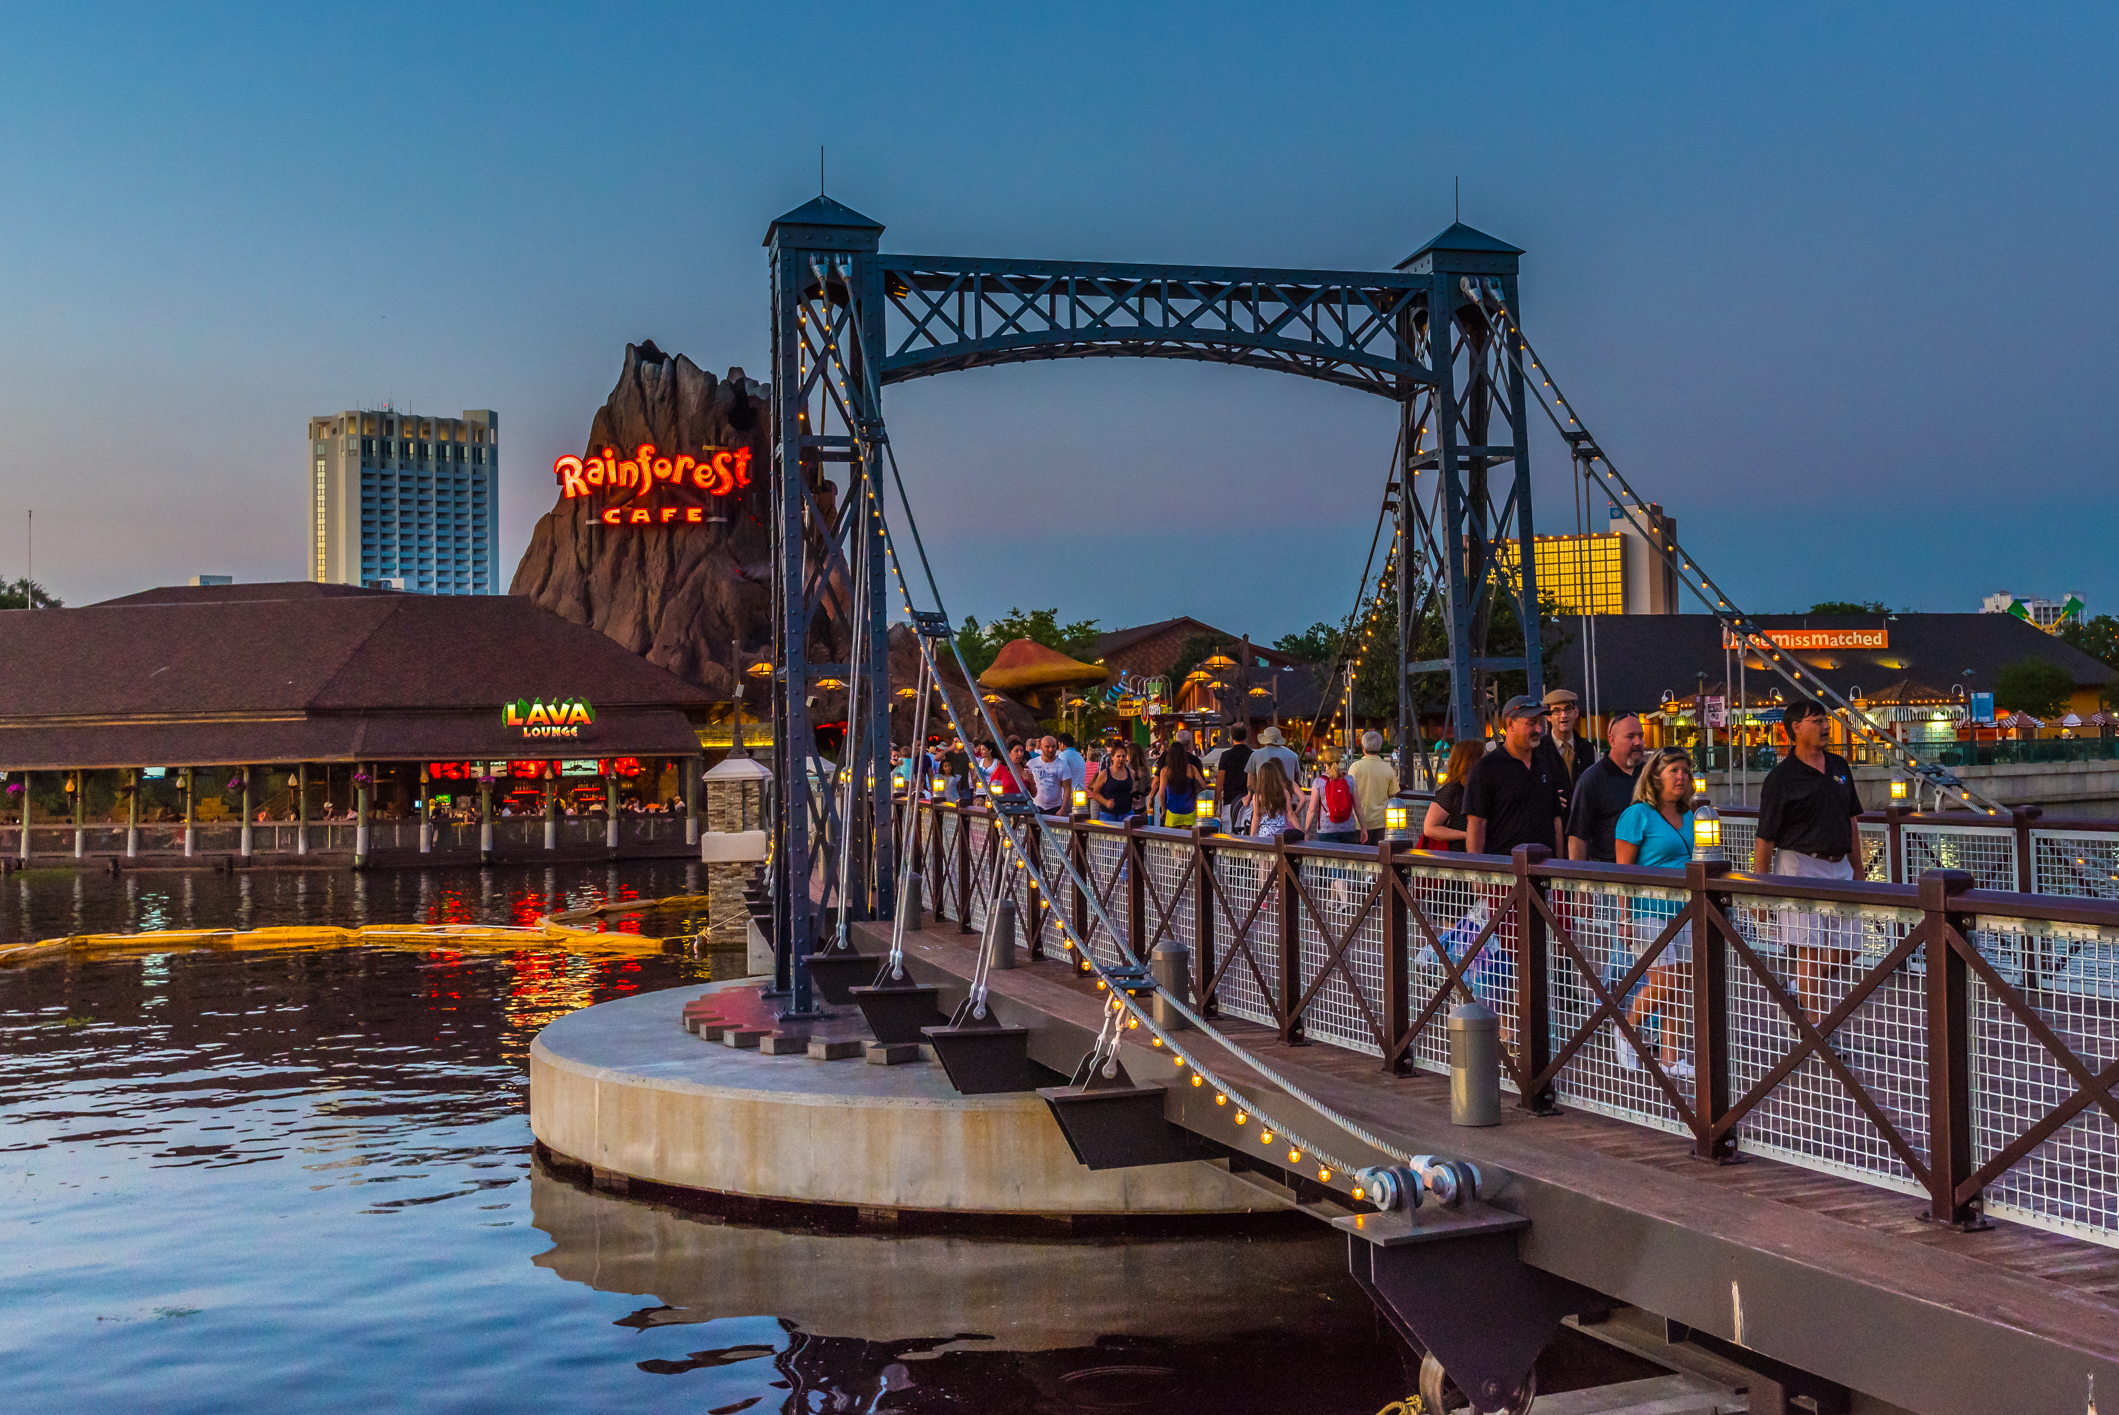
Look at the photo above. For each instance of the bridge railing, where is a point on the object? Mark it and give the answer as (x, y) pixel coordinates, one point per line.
(1948, 1041)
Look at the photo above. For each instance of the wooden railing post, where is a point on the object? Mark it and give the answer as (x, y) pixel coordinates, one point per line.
(1290, 944)
(1949, 1052)
(1397, 961)
(1203, 913)
(1078, 852)
(1136, 888)
(2026, 871)
(1533, 992)
(1895, 842)
(1033, 897)
(963, 868)
(1710, 1012)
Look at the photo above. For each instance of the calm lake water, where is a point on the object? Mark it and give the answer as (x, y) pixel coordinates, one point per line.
(302, 1181)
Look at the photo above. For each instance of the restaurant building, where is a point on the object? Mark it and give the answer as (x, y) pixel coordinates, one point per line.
(304, 718)
(1927, 679)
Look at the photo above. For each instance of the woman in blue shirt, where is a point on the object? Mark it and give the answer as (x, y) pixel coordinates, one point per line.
(1656, 831)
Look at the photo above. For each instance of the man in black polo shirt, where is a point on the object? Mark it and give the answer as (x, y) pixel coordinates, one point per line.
(1603, 793)
(1513, 795)
(1234, 764)
(1809, 825)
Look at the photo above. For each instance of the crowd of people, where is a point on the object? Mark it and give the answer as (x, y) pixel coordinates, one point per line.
(1539, 781)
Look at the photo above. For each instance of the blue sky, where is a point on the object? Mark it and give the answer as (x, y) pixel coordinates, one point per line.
(1834, 283)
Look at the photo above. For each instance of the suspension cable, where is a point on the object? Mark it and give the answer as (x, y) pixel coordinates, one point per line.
(1702, 585)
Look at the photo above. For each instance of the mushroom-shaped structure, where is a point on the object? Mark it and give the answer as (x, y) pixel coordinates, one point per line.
(1036, 676)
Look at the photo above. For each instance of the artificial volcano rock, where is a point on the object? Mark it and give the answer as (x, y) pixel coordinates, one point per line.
(679, 595)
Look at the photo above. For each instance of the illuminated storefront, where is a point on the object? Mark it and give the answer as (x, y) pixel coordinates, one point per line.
(306, 705)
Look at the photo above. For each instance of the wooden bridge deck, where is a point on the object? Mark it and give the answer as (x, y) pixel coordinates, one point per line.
(1841, 1278)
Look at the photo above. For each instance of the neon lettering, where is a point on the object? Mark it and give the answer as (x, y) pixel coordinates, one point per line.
(715, 471)
(537, 715)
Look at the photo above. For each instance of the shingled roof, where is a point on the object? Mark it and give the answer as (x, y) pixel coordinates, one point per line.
(299, 671)
(1639, 657)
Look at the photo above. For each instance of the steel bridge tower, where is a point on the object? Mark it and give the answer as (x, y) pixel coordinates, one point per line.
(848, 318)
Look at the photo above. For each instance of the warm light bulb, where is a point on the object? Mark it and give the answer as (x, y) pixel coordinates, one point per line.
(1241, 1117)
(1266, 1138)
(1221, 1100)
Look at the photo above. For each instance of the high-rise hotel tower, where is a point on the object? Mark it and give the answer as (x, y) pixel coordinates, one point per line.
(405, 502)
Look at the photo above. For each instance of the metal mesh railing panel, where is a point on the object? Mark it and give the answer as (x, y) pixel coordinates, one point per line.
(1106, 877)
(1170, 872)
(1875, 862)
(942, 872)
(2078, 862)
(1238, 876)
(1988, 852)
(1739, 836)
(1820, 952)
(1458, 904)
(1340, 889)
(1613, 926)
(981, 885)
(2069, 977)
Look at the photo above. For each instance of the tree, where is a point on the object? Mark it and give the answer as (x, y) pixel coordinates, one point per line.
(1848, 606)
(1318, 644)
(2099, 638)
(981, 645)
(2034, 686)
(25, 593)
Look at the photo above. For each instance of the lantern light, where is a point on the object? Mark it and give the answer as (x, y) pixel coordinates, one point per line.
(1899, 788)
(1204, 808)
(1706, 833)
(1081, 799)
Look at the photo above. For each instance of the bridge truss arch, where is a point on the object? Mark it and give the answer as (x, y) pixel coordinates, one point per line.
(849, 319)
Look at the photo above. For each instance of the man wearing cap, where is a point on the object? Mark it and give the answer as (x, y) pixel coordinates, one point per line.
(1271, 748)
(1513, 796)
(1574, 754)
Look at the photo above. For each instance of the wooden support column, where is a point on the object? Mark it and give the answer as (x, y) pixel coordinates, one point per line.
(1710, 1011)
(2026, 868)
(1397, 959)
(1949, 1052)
(29, 789)
(249, 839)
(132, 817)
(1533, 986)
(1895, 842)
(80, 812)
(301, 809)
(361, 791)
(190, 780)
(1136, 890)
(963, 867)
(1289, 903)
(1203, 914)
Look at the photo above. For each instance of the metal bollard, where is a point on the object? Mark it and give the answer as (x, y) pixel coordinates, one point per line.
(1171, 965)
(1474, 1065)
(1004, 935)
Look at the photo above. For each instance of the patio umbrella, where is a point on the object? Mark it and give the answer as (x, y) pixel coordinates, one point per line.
(2071, 721)
(2019, 721)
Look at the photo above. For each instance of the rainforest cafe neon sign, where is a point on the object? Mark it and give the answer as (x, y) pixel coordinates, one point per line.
(562, 717)
(718, 471)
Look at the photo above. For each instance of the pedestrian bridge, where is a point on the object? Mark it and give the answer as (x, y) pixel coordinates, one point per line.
(1899, 1177)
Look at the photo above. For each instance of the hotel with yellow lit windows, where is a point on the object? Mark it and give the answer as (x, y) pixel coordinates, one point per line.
(406, 502)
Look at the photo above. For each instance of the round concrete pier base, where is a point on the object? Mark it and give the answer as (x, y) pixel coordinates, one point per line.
(623, 1087)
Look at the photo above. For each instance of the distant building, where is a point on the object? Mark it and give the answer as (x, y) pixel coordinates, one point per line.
(406, 502)
(197, 580)
(2047, 614)
(1617, 571)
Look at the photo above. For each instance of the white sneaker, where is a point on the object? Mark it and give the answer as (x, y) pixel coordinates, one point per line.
(1629, 1059)
(1679, 1070)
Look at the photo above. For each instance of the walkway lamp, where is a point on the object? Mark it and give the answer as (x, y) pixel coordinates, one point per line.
(1399, 818)
(1081, 799)
(1706, 833)
(1900, 789)
(1699, 783)
(1203, 807)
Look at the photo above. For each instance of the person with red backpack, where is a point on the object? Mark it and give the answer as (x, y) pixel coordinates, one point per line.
(1335, 817)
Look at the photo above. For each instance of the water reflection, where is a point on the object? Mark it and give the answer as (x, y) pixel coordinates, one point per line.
(301, 1181)
(40, 904)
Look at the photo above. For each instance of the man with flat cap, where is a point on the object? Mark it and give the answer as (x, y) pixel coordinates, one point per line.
(1514, 796)
(1571, 752)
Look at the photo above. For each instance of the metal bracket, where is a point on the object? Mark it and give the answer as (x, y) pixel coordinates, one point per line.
(1450, 1282)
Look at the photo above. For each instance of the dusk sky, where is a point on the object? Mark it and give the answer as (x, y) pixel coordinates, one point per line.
(1834, 283)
